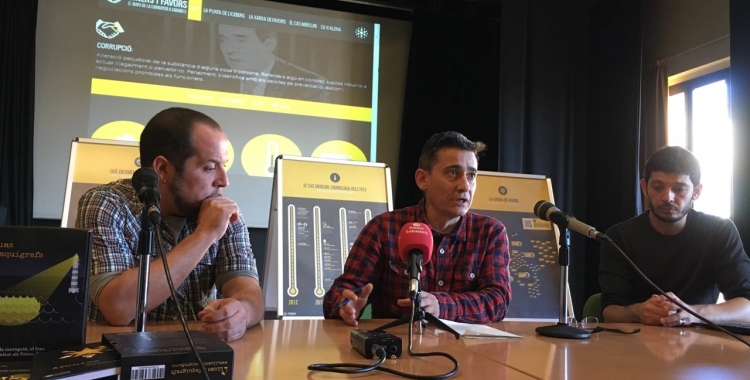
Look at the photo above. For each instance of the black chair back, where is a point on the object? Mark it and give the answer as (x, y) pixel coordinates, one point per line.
(258, 240)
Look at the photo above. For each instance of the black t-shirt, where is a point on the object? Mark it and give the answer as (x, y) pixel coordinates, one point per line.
(705, 258)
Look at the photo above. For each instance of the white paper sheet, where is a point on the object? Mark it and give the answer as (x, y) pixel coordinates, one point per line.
(468, 330)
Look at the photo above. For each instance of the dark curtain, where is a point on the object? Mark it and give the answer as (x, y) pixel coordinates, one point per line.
(739, 100)
(654, 98)
(519, 84)
(613, 126)
(543, 109)
(452, 84)
(515, 74)
(17, 50)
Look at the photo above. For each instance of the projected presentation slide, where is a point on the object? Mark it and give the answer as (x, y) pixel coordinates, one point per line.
(278, 81)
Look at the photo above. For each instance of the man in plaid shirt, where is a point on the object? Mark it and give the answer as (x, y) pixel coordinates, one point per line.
(467, 279)
(206, 241)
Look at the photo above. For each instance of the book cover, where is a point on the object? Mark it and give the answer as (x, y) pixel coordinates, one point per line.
(86, 361)
(44, 275)
(167, 355)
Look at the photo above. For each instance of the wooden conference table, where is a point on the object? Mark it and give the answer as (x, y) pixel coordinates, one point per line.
(282, 349)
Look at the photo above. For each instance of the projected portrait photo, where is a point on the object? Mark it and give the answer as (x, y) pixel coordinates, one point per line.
(252, 53)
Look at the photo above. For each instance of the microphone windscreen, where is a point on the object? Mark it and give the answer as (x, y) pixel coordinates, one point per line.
(145, 177)
(415, 236)
(541, 208)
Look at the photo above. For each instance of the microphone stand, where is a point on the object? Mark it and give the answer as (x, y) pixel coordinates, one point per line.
(145, 240)
(419, 313)
(562, 329)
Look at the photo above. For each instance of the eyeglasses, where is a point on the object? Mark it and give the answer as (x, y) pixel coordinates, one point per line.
(592, 324)
(588, 323)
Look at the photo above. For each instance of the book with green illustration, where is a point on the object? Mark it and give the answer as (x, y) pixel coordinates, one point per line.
(44, 274)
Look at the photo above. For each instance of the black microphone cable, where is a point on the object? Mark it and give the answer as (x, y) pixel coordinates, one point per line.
(377, 351)
(425, 354)
(380, 353)
(160, 245)
(606, 238)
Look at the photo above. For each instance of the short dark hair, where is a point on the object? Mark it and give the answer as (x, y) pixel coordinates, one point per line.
(170, 134)
(674, 160)
(449, 139)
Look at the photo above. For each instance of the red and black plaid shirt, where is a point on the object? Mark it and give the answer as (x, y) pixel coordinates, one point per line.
(468, 272)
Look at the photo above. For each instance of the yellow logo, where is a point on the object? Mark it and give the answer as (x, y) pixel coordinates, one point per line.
(87, 352)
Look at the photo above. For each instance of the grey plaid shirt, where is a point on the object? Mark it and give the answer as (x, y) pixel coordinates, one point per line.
(113, 211)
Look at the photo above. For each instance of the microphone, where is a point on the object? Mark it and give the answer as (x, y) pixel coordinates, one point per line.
(547, 211)
(415, 248)
(146, 183)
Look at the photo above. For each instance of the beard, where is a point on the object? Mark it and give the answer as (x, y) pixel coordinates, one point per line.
(668, 219)
(185, 207)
